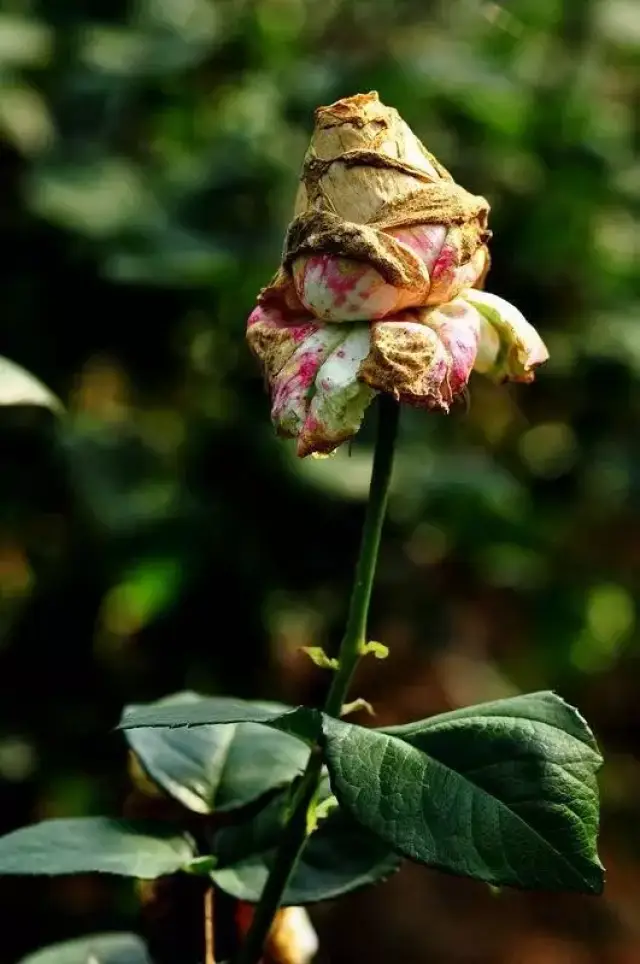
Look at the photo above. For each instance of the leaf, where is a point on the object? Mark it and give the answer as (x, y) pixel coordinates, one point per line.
(20, 387)
(299, 721)
(98, 948)
(504, 792)
(216, 767)
(95, 844)
(338, 858)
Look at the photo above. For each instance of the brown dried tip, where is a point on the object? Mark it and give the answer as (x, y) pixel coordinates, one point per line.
(365, 172)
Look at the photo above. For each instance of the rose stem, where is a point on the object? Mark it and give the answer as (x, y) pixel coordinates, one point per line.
(295, 834)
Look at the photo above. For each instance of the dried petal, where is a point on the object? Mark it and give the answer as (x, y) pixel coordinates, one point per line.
(424, 357)
(510, 348)
(340, 400)
(458, 326)
(273, 337)
(292, 387)
(377, 290)
(312, 370)
(451, 274)
(365, 177)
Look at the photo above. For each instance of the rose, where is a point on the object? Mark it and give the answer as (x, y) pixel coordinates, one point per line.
(377, 287)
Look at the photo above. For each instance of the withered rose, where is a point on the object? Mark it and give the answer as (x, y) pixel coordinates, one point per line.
(377, 290)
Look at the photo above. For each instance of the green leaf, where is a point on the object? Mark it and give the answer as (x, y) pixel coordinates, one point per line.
(339, 857)
(96, 948)
(300, 721)
(504, 792)
(20, 387)
(95, 844)
(216, 768)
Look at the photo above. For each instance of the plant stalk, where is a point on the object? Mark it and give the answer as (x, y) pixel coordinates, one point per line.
(295, 834)
(209, 953)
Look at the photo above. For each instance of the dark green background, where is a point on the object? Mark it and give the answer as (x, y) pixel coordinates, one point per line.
(162, 538)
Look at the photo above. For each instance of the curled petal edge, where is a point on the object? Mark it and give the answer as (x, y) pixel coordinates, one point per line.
(510, 348)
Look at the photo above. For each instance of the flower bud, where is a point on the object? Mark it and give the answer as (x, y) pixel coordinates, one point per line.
(379, 224)
(377, 290)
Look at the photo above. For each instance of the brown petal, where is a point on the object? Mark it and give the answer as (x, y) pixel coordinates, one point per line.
(366, 174)
(409, 361)
(276, 326)
(424, 357)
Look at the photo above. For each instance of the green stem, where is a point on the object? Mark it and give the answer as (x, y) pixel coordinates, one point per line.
(356, 628)
(295, 834)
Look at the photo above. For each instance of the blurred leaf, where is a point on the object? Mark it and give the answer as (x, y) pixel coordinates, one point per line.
(300, 721)
(142, 849)
(338, 858)
(173, 257)
(98, 199)
(503, 792)
(24, 42)
(98, 948)
(194, 21)
(25, 118)
(136, 53)
(20, 387)
(216, 768)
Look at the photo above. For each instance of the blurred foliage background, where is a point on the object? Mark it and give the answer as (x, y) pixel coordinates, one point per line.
(162, 538)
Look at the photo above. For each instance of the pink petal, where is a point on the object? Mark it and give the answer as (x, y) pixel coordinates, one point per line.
(340, 289)
(425, 240)
(458, 326)
(292, 387)
(449, 278)
(340, 399)
(274, 335)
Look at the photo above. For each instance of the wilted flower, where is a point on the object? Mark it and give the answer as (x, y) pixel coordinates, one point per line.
(377, 290)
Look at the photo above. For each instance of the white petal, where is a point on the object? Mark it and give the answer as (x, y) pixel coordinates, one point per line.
(521, 348)
(340, 400)
(292, 387)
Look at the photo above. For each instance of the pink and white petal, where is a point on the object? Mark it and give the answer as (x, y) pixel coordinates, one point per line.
(425, 240)
(519, 349)
(340, 400)
(274, 335)
(409, 361)
(292, 387)
(449, 278)
(339, 289)
(458, 325)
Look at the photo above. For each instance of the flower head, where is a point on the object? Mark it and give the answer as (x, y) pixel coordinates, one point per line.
(377, 290)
